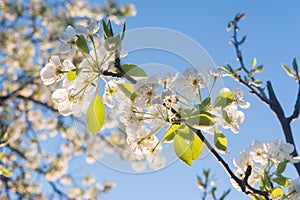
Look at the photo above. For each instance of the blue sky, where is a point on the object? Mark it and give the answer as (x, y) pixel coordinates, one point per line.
(272, 29)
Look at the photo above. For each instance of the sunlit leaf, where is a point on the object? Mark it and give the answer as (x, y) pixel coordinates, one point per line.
(133, 70)
(182, 150)
(253, 63)
(224, 99)
(287, 70)
(281, 180)
(201, 120)
(4, 171)
(277, 193)
(196, 147)
(171, 132)
(281, 167)
(95, 115)
(128, 90)
(71, 75)
(256, 83)
(220, 141)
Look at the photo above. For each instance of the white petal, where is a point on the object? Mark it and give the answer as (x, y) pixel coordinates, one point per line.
(81, 30)
(68, 65)
(64, 108)
(60, 95)
(55, 60)
(48, 75)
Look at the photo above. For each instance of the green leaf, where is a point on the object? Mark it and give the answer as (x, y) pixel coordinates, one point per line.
(106, 30)
(196, 147)
(257, 197)
(71, 75)
(95, 115)
(287, 70)
(254, 62)
(281, 180)
(220, 141)
(224, 99)
(259, 68)
(2, 155)
(4, 171)
(281, 167)
(110, 28)
(295, 66)
(133, 70)
(171, 132)
(201, 120)
(128, 90)
(182, 150)
(226, 117)
(205, 104)
(277, 193)
(185, 133)
(82, 44)
(256, 83)
(200, 182)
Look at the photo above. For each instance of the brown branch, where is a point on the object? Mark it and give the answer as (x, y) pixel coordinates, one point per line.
(245, 187)
(272, 100)
(296, 107)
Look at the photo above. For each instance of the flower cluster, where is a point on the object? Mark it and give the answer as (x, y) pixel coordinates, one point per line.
(140, 105)
(268, 162)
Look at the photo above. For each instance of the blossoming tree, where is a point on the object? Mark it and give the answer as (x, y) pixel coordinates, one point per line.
(142, 112)
(37, 145)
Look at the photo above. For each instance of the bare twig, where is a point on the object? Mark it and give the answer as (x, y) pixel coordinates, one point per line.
(271, 100)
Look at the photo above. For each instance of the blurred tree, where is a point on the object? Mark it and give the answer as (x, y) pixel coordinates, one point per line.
(32, 165)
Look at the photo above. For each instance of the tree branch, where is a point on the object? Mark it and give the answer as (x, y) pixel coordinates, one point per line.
(245, 187)
(296, 107)
(272, 100)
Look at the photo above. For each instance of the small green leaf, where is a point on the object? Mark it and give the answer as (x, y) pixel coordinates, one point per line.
(201, 120)
(220, 141)
(133, 70)
(226, 117)
(200, 183)
(2, 155)
(281, 167)
(110, 28)
(295, 66)
(205, 104)
(128, 90)
(95, 115)
(287, 70)
(277, 193)
(82, 44)
(196, 147)
(106, 30)
(259, 68)
(256, 83)
(4, 171)
(281, 180)
(257, 197)
(171, 132)
(71, 75)
(254, 62)
(182, 150)
(224, 99)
